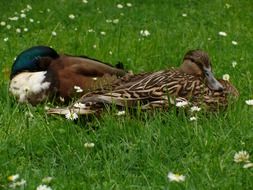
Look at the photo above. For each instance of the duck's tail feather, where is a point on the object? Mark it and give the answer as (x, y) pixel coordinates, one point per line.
(119, 65)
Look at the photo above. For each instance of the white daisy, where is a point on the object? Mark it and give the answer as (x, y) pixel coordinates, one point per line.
(234, 43)
(18, 30)
(71, 115)
(115, 21)
(85, 1)
(2, 23)
(249, 102)
(43, 187)
(184, 15)
(47, 179)
(6, 39)
(193, 118)
(248, 165)
(226, 77)
(120, 6)
(31, 20)
(54, 33)
(79, 105)
(241, 156)
(71, 16)
(103, 33)
(29, 114)
(195, 108)
(89, 145)
(20, 183)
(91, 30)
(13, 177)
(182, 103)
(222, 33)
(46, 108)
(99, 11)
(29, 7)
(144, 33)
(23, 15)
(13, 18)
(8, 27)
(227, 5)
(78, 89)
(234, 63)
(62, 99)
(25, 29)
(121, 113)
(129, 4)
(176, 177)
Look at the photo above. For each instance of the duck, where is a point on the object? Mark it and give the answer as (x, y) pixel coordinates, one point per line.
(193, 82)
(39, 73)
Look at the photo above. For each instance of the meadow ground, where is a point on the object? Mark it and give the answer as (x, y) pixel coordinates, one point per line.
(131, 151)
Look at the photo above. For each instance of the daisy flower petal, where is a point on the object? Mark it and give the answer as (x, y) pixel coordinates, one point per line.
(249, 102)
(71, 115)
(176, 177)
(222, 33)
(226, 77)
(241, 156)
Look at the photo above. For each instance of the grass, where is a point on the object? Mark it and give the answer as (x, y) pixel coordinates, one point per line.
(130, 152)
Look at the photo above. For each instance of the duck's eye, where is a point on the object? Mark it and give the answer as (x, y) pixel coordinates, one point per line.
(206, 73)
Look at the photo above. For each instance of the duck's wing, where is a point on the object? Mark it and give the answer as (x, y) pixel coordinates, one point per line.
(148, 90)
(89, 67)
(157, 94)
(88, 74)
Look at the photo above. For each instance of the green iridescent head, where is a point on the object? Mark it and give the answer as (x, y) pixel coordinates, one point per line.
(28, 60)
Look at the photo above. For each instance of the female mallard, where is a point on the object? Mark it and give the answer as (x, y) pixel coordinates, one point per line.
(193, 82)
(40, 72)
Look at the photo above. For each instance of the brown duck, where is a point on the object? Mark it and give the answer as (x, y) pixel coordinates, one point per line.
(193, 81)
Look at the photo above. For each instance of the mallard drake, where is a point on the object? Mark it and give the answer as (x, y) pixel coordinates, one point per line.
(40, 72)
(193, 82)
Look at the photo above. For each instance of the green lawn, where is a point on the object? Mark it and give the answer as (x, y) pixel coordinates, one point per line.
(132, 151)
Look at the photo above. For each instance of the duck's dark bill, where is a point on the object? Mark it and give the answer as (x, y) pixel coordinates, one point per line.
(213, 83)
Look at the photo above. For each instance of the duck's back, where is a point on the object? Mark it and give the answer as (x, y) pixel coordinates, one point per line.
(147, 87)
(71, 72)
(173, 82)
